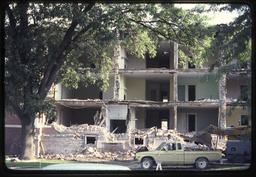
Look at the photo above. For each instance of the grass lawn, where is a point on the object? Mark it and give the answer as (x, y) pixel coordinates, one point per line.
(37, 163)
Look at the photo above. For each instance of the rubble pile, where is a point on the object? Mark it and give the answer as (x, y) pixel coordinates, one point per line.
(207, 100)
(92, 154)
(162, 134)
(188, 134)
(191, 146)
(53, 156)
(109, 146)
(83, 129)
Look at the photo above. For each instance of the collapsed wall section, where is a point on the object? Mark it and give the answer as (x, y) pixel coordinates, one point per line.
(92, 141)
(61, 144)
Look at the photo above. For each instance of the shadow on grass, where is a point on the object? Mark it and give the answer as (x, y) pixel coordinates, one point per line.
(37, 163)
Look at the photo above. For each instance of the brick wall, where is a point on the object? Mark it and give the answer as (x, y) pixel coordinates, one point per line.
(12, 135)
(62, 144)
(11, 119)
(12, 141)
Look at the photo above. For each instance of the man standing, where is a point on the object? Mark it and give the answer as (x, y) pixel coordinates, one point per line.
(158, 162)
(168, 139)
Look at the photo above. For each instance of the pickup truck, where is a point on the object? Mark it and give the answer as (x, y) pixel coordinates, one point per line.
(172, 153)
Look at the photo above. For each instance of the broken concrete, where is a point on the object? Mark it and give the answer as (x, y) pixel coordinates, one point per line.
(117, 55)
(222, 108)
(69, 143)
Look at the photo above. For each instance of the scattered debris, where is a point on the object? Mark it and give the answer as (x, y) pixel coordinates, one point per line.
(93, 143)
(15, 160)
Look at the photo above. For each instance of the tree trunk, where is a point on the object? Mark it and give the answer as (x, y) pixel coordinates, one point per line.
(27, 141)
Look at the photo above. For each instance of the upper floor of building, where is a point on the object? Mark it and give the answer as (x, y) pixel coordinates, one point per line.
(161, 78)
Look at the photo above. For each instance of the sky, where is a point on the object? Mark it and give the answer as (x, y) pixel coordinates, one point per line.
(216, 17)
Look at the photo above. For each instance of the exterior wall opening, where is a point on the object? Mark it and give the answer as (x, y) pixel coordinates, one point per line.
(118, 126)
(158, 90)
(82, 92)
(191, 93)
(191, 122)
(244, 120)
(244, 90)
(68, 116)
(139, 141)
(158, 118)
(90, 140)
(191, 66)
(164, 124)
(162, 58)
(153, 95)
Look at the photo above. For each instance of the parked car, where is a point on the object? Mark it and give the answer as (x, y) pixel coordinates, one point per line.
(238, 151)
(172, 153)
(86, 166)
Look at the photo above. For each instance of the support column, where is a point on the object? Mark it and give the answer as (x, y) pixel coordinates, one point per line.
(132, 120)
(175, 55)
(107, 119)
(117, 56)
(175, 118)
(175, 87)
(104, 116)
(222, 95)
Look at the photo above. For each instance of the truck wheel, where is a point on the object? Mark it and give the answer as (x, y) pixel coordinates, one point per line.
(147, 163)
(201, 163)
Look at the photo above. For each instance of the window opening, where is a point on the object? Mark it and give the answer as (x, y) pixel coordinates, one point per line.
(244, 90)
(153, 95)
(179, 146)
(139, 141)
(191, 66)
(191, 93)
(244, 120)
(191, 122)
(90, 140)
(118, 126)
(100, 95)
(171, 146)
(164, 124)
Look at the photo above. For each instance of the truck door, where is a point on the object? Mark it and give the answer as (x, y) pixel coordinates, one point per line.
(180, 154)
(169, 154)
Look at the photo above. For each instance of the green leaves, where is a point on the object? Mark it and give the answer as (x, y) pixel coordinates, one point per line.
(141, 43)
(233, 41)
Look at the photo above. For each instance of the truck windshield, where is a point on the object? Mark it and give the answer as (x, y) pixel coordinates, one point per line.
(160, 146)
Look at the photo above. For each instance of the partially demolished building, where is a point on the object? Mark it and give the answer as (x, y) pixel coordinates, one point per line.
(152, 92)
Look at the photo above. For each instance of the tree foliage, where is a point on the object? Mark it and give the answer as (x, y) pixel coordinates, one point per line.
(233, 42)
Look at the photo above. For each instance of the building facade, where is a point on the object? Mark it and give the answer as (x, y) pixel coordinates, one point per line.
(144, 93)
